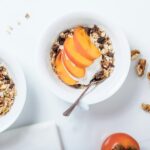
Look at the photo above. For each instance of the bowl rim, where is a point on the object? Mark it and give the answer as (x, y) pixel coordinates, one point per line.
(102, 19)
(22, 95)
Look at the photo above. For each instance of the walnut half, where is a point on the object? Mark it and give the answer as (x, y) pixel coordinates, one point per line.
(140, 67)
(146, 107)
(135, 54)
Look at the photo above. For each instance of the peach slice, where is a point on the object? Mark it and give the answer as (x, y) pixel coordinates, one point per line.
(72, 68)
(74, 55)
(61, 72)
(84, 45)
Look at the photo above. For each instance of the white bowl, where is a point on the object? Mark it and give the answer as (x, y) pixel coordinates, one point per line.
(103, 90)
(18, 77)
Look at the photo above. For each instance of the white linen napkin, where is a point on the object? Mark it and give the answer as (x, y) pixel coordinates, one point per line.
(43, 136)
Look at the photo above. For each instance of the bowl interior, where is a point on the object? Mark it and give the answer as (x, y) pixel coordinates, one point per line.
(103, 90)
(17, 75)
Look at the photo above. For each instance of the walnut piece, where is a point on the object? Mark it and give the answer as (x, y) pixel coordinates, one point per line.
(99, 76)
(135, 54)
(105, 64)
(148, 75)
(145, 107)
(140, 67)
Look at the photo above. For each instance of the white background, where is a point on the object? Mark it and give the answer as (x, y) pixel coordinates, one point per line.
(84, 130)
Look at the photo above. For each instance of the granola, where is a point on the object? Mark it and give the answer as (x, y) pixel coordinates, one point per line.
(102, 42)
(7, 91)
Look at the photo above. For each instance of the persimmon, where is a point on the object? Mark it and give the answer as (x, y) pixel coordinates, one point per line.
(119, 141)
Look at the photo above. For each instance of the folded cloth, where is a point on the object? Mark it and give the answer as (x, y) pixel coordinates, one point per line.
(43, 136)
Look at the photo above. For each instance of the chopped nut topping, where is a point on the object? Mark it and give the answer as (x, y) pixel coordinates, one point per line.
(140, 68)
(148, 75)
(88, 30)
(110, 54)
(146, 107)
(55, 48)
(135, 54)
(105, 64)
(95, 29)
(99, 76)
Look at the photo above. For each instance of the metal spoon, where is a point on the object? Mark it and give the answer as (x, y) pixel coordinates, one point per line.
(71, 108)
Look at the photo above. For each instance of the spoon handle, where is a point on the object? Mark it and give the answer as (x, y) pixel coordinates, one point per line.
(71, 108)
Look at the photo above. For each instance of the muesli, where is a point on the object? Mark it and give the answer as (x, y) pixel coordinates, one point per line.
(7, 91)
(81, 55)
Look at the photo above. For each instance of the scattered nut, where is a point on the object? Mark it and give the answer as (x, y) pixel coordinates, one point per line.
(9, 29)
(140, 67)
(148, 75)
(27, 15)
(135, 54)
(146, 107)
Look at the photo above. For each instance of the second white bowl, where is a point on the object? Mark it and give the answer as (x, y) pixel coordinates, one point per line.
(17, 75)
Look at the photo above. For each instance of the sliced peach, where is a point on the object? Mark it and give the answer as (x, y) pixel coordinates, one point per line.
(74, 55)
(61, 72)
(72, 68)
(84, 45)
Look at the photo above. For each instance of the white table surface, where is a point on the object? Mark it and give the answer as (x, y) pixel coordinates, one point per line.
(84, 129)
